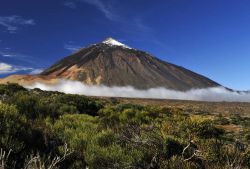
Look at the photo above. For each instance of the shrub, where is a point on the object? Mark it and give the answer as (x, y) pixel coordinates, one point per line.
(75, 130)
(14, 133)
(83, 104)
(172, 147)
(12, 127)
(26, 104)
(11, 89)
(207, 130)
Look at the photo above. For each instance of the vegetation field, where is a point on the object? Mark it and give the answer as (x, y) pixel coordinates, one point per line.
(48, 130)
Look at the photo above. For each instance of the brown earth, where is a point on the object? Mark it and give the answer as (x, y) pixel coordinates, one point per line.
(25, 80)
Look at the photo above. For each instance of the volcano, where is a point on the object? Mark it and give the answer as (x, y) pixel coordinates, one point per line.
(112, 63)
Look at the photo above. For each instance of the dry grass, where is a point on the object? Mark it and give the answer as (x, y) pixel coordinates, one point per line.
(231, 128)
(196, 107)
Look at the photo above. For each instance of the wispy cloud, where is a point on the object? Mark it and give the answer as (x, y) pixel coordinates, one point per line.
(107, 8)
(36, 71)
(135, 26)
(8, 53)
(141, 26)
(72, 47)
(12, 23)
(6, 68)
(16, 56)
(11, 56)
(102, 6)
(70, 4)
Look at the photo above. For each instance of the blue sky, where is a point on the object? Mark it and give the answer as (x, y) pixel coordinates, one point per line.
(210, 37)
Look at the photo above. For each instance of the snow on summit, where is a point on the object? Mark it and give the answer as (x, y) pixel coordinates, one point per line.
(113, 42)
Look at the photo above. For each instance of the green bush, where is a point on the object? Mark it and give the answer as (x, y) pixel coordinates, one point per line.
(83, 104)
(11, 89)
(12, 128)
(18, 135)
(26, 104)
(207, 130)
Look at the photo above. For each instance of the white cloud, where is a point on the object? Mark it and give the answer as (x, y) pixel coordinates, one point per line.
(6, 68)
(12, 23)
(135, 24)
(102, 7)
(105, 8)
(72, 47)
(69, 4)
(141, 26)
(209, 94)
(7, 54)
(36, 71)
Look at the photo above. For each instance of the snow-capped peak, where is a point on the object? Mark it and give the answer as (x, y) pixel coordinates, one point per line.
(113, 42)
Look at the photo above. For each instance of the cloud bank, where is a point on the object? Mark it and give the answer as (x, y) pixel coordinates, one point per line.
(209, 94)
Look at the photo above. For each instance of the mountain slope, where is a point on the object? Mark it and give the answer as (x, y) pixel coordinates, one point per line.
(112, 63)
